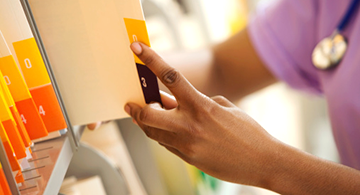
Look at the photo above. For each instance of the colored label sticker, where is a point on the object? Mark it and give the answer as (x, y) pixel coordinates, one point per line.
(14, 79)
(48, 107)
(149, 84)
(5, 113)
(31, 63)
(15, 138)
(31, 118)
(38, 81)
(5, 189)
(11, 129)
(19, 178)
(11, 104)
(21, 127)
(28, 116)
(5, 90)
(9, 149)
(137, 31)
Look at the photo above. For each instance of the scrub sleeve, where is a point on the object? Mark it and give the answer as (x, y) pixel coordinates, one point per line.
(283, 34)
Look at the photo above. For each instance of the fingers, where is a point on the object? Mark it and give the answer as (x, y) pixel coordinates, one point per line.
(223, 101)
(171, 78)
(176, 152)
(94, 126)
(168, 100)
(153, 115)
(161, 136)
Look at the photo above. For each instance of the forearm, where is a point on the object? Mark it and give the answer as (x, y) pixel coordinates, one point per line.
(232, 69)
(296, 172)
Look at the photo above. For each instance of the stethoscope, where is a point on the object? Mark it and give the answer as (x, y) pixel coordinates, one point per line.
(329, 52)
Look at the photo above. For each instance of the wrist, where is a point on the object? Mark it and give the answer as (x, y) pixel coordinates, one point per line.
(285, 166)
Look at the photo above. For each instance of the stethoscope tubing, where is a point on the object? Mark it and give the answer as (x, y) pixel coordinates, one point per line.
(350, 12)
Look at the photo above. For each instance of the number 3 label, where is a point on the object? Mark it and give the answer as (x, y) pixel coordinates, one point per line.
(143, 82)
(41, 110)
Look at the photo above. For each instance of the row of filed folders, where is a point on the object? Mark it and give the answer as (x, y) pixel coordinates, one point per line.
(95, 69)
(29, 108)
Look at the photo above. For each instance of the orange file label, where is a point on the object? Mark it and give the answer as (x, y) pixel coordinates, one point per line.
(39, 83)
(5, 190)
(30, 117)
(12, 132)
(9, 149)
(137, 31)
(31, 63)
(23, 101)
(48, 107)
(19, 177)
(11, 104)
(21, 127)
(14, 79)
(15, 139)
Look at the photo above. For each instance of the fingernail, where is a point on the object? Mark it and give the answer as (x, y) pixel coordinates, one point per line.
(136, 48)
(127, 109)
(98, 124)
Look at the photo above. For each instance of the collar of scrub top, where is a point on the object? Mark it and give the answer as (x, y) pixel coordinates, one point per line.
(329, 52)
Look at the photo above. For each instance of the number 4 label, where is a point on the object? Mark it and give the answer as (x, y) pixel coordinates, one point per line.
(23, 118)
(41, 110)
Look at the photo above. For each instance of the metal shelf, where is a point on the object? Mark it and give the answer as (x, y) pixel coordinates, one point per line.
(49, 163)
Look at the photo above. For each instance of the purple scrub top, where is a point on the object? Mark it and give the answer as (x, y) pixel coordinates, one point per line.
(285, 34)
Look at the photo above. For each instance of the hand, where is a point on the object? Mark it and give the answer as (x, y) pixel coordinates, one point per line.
(167, 100)
(94, 126)
(209, 133)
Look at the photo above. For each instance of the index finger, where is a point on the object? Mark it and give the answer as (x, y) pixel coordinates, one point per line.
(172, 79)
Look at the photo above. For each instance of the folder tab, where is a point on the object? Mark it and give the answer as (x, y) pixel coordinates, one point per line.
(19, 178)
(31, 63)
(25, 106)
(14, 79)
(38, 81)
(10, 101)
(12, 132)
(137, 31)
(5, 189)
(9, 149)
(46, 100)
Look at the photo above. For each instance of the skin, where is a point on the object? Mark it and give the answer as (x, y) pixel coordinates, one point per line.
(219, 138)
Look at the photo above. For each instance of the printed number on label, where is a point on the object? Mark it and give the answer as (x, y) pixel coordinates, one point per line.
(28, 63)
(135, 38)
(41, 110)
(143, 82)
(7, 80)
(23, 118)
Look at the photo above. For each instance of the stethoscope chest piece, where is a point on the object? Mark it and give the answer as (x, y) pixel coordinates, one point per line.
(329, 52)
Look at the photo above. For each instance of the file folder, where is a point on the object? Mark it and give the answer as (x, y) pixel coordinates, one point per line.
(9, 149)
(10, 102)
(38, 81)
(20, 40)
(28, 111)
(9, 125)
(88, 47)
(4, 186)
